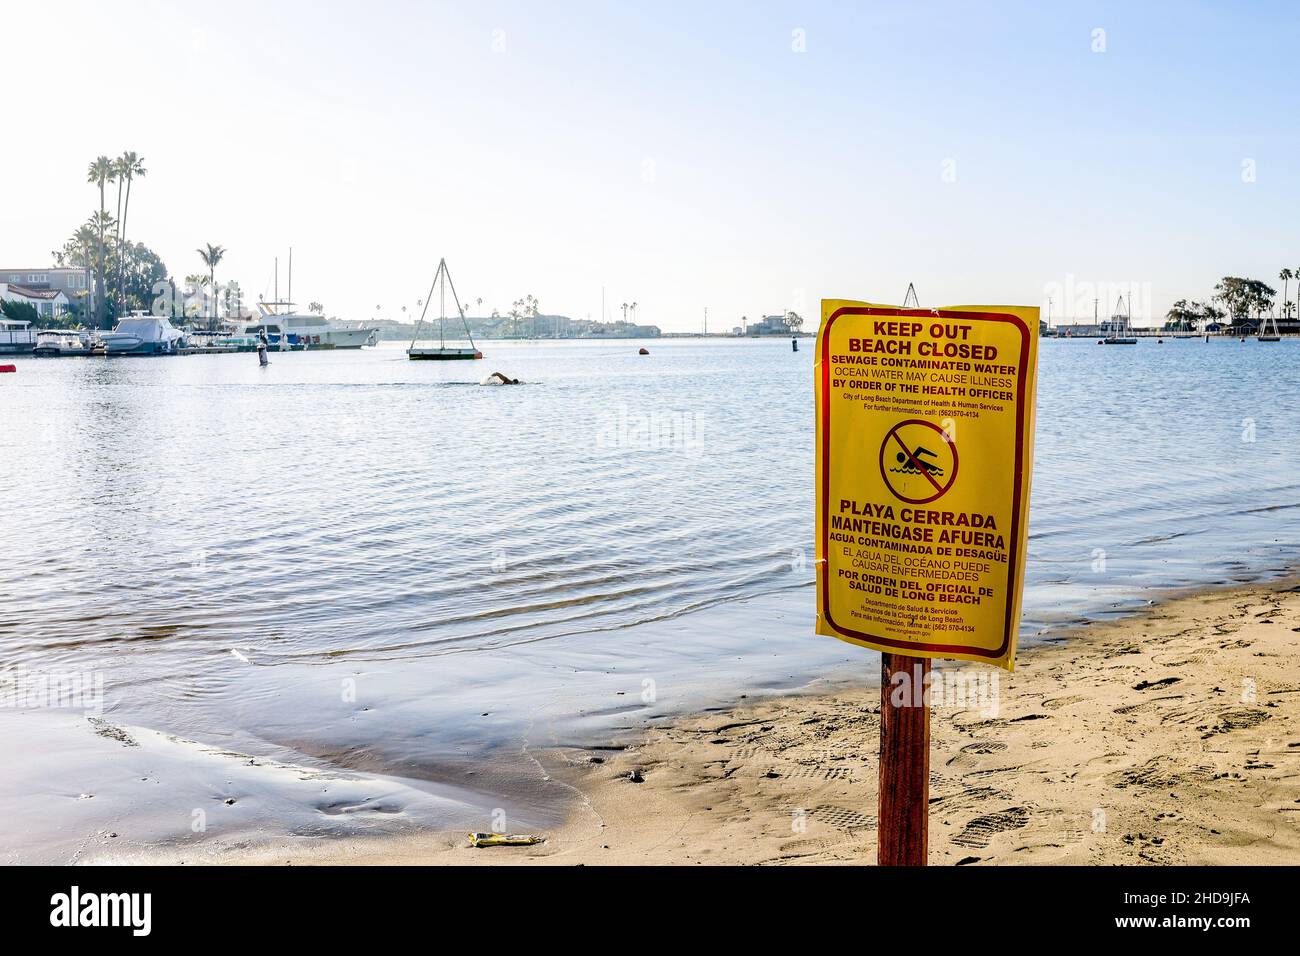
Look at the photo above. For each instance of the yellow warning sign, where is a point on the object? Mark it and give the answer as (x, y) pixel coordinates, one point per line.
(925, 425)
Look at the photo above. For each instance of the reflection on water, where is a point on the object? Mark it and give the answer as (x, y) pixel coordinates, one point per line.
(167, 519)
(356, 503)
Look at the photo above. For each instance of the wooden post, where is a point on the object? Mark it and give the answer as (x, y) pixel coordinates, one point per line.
(903, 821)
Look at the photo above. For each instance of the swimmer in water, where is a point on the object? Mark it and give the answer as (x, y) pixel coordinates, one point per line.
(496, 378)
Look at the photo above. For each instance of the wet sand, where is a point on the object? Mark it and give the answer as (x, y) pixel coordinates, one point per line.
(1169, 737)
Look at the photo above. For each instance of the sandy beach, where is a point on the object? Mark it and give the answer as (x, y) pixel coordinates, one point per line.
(1167, 737)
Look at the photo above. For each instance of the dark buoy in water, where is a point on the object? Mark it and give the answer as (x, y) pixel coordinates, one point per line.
(794, 343)
(642, 351)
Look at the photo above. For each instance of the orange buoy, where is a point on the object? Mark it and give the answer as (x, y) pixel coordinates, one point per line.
(643, 351)
(8, 368)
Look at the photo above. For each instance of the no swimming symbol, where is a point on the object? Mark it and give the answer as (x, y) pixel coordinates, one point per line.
(918, 461)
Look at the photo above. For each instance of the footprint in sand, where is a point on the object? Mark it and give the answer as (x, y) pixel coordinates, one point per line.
(809, 847)
(1229, 720)
(842, 818)
(966, 798)
(1162, 772)
(816, 772)
(979, 831)
(969, 755)
(1052, 829)
(984, 747)
(1182, 658)
(1172, 713)
(1058, 702)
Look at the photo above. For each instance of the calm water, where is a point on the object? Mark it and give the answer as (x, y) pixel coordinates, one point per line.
(230, 546)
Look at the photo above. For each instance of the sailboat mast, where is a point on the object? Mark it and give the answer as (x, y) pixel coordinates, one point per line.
(442, 304)
(276, 304)
(290, 275)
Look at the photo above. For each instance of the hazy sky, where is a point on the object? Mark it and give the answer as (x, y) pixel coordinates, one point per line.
(681, 154)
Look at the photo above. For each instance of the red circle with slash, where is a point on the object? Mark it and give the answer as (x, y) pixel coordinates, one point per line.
(896, 449)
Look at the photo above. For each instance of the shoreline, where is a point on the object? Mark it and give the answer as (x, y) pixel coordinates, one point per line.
(1165, 737)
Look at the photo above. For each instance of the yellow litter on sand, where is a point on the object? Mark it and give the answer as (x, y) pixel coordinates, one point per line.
(504, 839)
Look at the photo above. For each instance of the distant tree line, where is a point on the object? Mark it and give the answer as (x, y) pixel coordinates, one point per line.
(1236, 299)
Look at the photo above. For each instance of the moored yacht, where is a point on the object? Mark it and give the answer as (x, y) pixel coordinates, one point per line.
(141, 333)
(288, 329)
(305, 330)
(56, 342)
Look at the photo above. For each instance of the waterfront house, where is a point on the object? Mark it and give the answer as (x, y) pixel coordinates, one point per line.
(48, 303)
(769, 325)
(75, 285)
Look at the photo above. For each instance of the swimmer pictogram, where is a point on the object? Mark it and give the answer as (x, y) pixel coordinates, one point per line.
(918, 461)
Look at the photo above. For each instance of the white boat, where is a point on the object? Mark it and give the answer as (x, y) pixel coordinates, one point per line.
(56, 342)
(1120, 326)
(305, 330)
(142, 334)
(16, 335)
(299, 330)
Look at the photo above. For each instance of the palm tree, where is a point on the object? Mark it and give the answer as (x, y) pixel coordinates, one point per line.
(316, 308)
(100, 172)
(84, 238)
(102, 223)
(129, 166)
(211, 257)
(119, 177)
(633, 308)
(625, 313)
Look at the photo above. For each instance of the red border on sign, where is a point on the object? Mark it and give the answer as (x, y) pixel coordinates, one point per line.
(1013, 555)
